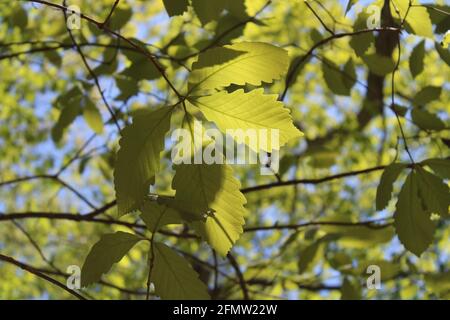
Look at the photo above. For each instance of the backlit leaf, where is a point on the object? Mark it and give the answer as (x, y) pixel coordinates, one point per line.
(384, 190)
(240, 63)
(156, 215)
(110, 249)
(412, 223)
(93, 117)
(417, 17)
(434, 192)
(173, 277)
(252, 110)
(138, 157)
(213, 192)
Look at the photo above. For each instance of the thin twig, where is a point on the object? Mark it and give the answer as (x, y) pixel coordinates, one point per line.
(318, 18)
(239, 275)
(111, 12)
(92, 73)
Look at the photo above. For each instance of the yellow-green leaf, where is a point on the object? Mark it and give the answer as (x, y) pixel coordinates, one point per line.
(434, 192)
(156, 215)
(240, 63)
(110, 249)
(252, 110)
(412, 223)
(417, 17)
(378, 64)
(213, 192)
(173, 277)
(93, 117)
(138, 158)
(384, 190)
(208, 10)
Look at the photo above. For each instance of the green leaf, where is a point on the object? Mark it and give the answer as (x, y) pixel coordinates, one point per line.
(120, 17)
(315, 36)
(438, 284)
(309, 254)
(388, 270)
(378, 64)
(323, 158)
(296, 67)
(237, 8)
(240, 63)
(426, 120)
(384, 190)
(174, 278)
(359, 237)
(138, 157)
(439, 17)
(109, 63)
(252, 110)
(93, 117)
(412, 223)
(434, 192)
(213, 192)
(228, 28)
(445, 141)
(156, 215)
(128, 88)
(208, 10)
(350, 4)
(426, 95)
(361, 42)
(176, 7)
(350, 290)
(416, 59)
(19, 17)
(417, 17)
(54, 58)
(400, 110)
(141, 67)
(334, 78)
(440, 166)
(71, 103)
(349, 74)
(110, 249)
(340, 261)
(443, 53)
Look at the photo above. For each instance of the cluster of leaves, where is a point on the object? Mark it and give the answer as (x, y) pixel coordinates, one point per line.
(422, 194)
(207, 196)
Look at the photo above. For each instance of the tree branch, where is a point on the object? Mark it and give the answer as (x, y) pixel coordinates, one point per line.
(39, 274)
